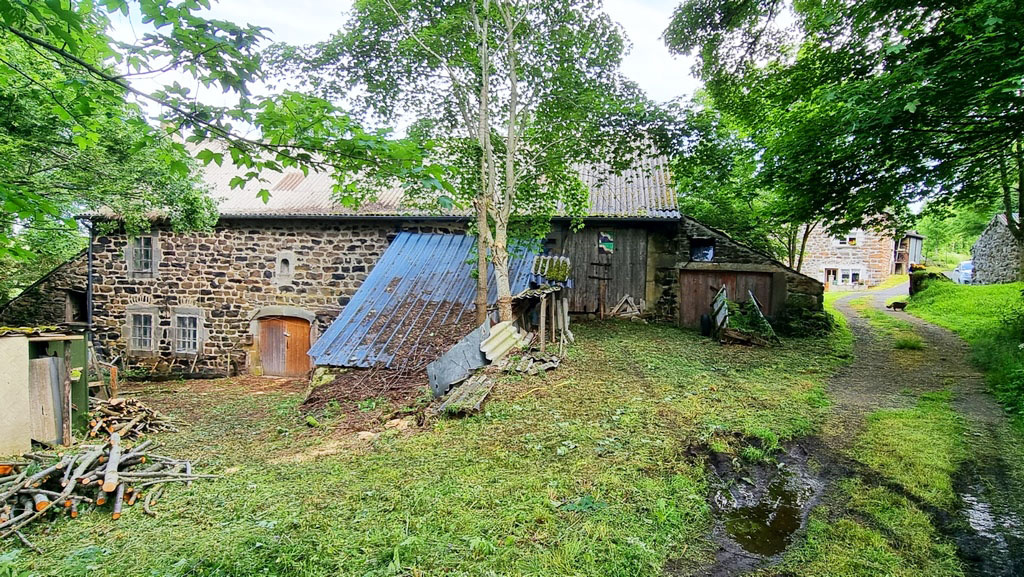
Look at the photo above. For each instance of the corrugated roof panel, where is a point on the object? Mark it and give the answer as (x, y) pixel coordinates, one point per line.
(415, 303)
(642, 192)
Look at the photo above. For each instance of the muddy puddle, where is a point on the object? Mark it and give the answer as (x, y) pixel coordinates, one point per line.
(761, 508)
(988, 534)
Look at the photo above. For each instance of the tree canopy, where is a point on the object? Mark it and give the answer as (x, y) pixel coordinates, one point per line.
(867, 106)
(75, 135)
(518, 94)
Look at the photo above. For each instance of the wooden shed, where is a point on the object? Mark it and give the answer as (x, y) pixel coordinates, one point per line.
(673, 265)
(44, 386)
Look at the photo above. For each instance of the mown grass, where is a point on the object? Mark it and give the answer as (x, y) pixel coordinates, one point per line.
(991, 319)
(878, 532)
(871, 527)
(919, 448)
(891, 282)
(584, 472)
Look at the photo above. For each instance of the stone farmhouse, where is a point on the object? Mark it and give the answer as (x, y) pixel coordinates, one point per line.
(996, 253)
(256, 292)
(862, 258)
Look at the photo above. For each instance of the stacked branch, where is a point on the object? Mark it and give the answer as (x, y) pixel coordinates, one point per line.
(129, 418)
(110, 475)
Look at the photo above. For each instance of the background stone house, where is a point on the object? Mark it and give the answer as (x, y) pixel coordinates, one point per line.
(253, 294)
(996, 254)
(861, 258)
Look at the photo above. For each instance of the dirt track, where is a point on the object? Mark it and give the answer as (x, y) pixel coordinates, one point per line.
(988, 528)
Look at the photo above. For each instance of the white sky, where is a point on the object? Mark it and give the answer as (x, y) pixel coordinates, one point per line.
(649, 63)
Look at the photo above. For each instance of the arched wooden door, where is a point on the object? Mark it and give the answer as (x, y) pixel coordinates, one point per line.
(284, 344)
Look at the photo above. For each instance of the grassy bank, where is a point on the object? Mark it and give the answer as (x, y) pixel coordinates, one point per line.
(585, 472)
(991, 319)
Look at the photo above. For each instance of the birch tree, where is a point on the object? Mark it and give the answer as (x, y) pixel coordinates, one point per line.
(518, 94)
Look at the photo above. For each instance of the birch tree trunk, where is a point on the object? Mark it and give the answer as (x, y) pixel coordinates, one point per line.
(808, 228)
(504, 210)
(482, 201)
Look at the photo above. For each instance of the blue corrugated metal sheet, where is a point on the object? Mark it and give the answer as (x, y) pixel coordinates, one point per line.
(418, 296)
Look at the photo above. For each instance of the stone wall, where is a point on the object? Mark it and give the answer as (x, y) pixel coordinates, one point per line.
(996, 254)
(872, 255)
(227, 277)
(56, 298)
(669, 252)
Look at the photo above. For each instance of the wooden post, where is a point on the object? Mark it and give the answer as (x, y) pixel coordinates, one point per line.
(602, 291)
(65, 434)
(113, 382)
(543, 318)
(554, 309)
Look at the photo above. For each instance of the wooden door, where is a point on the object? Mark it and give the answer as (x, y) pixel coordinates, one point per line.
(698, 287)
(625, 267)
(284, 344)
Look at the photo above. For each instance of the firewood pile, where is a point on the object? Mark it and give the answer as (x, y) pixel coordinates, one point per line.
(129, 418)
(110, 476)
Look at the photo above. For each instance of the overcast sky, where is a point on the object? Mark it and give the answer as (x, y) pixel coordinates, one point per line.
(649, 63)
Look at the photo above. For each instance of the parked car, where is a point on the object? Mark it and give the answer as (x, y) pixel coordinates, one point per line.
(964, 272)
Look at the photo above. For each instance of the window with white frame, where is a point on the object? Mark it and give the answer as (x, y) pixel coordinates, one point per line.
(186, 333)
(851, 238)
(142, 254)
(142, 331)
(850, 275)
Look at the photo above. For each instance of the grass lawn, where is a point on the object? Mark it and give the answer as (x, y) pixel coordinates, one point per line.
(584, 472)
(991, 319)
(893, 281)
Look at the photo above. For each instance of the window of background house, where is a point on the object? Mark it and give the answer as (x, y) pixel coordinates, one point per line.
(186, 334)
(702, 249)
(849, 275)
(142, 254)
(142, 331)
(849, 239)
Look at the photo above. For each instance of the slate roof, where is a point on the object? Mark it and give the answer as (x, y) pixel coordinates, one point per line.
(415, 304)
(644, 192)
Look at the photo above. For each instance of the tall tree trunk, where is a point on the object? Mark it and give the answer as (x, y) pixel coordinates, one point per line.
(501, 276)
(482, 202)
(499, 251)
(803, 245)
(791, 245)
(481, 264)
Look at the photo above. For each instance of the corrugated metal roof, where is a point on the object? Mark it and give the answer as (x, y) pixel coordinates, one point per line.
(643, 192)
(415, 303)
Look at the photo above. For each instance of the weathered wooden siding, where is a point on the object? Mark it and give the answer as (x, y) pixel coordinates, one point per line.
(697, 289)
(627, 268)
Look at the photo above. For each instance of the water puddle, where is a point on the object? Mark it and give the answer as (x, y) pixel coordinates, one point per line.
(994, 544)
(762, 508)
(766, 528)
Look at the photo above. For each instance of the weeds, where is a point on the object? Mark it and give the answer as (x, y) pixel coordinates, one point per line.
(910, 342)
(589, 478)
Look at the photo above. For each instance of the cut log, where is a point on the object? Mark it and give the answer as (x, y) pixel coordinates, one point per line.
(41, 501)
(114, 461)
